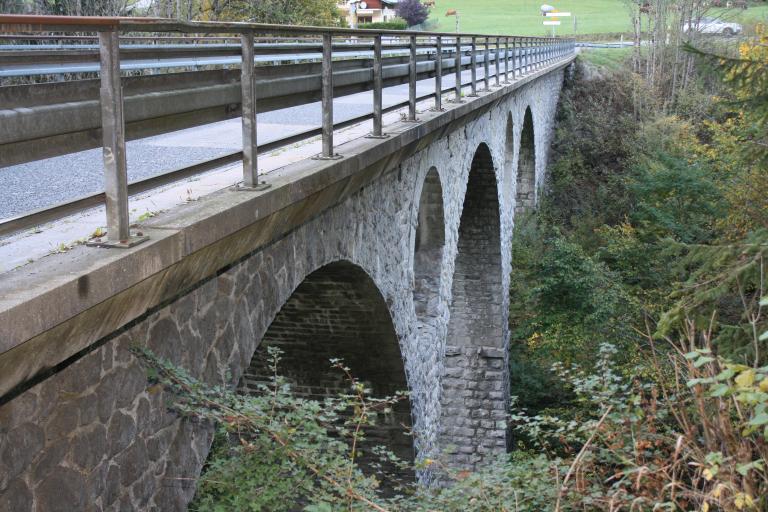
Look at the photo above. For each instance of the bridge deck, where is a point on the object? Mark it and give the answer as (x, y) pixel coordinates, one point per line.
(45, 305)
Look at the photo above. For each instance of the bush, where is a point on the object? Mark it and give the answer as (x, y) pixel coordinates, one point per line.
(412, 11)
(395, 24)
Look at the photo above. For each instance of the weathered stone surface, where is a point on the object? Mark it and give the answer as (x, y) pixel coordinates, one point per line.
(20, 447)
(453, 355)
(16, 496)
(120, 433)
(89, 447)
(63, 491)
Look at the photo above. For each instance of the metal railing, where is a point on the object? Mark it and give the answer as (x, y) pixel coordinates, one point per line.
(43, 120)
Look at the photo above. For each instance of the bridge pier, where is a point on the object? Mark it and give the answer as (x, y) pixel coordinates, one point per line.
(473, 421)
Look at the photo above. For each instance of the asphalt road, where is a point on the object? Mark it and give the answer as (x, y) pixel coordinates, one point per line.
(40, 184)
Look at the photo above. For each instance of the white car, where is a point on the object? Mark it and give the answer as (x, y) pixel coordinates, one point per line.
(714, 26)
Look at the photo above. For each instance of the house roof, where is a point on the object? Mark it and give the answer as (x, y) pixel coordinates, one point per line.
(377, 4)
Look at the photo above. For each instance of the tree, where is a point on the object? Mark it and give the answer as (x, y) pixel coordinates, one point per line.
(281, 12)
(412, 11)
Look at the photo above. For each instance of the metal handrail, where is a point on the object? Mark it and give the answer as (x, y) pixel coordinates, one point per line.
(528, 54)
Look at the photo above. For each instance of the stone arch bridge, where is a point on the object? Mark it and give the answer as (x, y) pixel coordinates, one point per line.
(395, 258)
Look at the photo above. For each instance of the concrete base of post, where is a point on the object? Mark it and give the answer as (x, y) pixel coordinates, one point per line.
(332, 157)
(134, 240)
(241, 187)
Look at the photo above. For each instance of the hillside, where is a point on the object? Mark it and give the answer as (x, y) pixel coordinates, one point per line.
(523, 17)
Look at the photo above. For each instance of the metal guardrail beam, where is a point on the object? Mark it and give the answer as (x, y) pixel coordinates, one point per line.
(68, 115)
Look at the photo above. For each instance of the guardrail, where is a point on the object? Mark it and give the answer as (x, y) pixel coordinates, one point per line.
(43, 120)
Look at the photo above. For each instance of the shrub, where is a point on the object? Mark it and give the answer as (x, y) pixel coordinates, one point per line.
(412, 11)
(395, 24)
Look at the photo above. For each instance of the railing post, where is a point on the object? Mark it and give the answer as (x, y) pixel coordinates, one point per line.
(457, 85)
(439, 74)
(327, 98)
(378, 90)
(248, 93)
(412, 81)
(113, 137)
(497, 62)
(473, 61)
(506, 61)
(487, 64)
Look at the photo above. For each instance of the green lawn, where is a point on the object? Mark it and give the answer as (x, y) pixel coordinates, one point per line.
(610, 58)
(523, 17)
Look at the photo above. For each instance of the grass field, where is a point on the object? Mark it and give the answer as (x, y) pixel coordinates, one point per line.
(523, 17)
(610, 58)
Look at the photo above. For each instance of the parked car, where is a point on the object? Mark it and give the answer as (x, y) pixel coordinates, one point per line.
(730, 4)
(714, 26)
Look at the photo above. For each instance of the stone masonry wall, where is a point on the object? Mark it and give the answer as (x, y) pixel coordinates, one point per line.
(473, 405)
(93, 437)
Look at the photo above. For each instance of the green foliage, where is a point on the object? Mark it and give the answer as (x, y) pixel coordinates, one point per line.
(281, 12)
(394, 24)
(675, 199)
(724, 285)
(276, 449)
(523, 482)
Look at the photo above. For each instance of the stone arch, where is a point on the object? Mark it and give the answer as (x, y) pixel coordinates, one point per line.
(525, 197)
(473, 404)
(428, 246)
(338, 312)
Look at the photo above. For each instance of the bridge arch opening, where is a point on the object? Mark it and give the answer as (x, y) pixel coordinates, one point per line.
(509, 153)
(428, 246)
(338, 312)
(525, 198)
(472, 423)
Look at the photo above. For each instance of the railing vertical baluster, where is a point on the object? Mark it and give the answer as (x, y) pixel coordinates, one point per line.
(497, 62)
(537, 53)
(113, 137)
(457, 85)
(524, 56)
(487, 64)
(412, 81)
(248, 93)
(378, 89)
(473, 60)
(439, 74)
(506, 60)
(515, 58)
(327, 98)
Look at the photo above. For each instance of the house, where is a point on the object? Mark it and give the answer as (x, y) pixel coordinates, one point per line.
(367, 11)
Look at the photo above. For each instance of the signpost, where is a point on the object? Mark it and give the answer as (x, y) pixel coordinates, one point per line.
(553, 14)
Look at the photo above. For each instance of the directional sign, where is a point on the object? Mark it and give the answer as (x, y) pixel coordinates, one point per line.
(551, 22)
(557, 14)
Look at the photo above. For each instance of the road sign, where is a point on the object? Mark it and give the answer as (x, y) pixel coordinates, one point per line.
(552, 23)
(558, 14)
